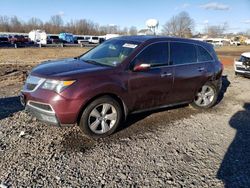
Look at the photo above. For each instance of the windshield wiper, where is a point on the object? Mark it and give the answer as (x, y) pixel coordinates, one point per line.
(91, 61)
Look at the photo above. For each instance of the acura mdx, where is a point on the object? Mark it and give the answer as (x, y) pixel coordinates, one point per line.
(124, 75)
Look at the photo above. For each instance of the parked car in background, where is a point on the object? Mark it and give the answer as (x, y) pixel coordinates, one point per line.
(4, 41)
(94, 40)
(121, 76)
(66, 37)
(53, 39)
(242, 64)
(18, 39)
(84, 40)
(77, 39)
(233, 42)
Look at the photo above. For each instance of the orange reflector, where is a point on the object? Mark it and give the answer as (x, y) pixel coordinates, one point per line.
(68, 83)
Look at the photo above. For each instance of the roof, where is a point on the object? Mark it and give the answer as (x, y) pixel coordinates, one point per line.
(137, 38)
(246, 54)
(153, 38)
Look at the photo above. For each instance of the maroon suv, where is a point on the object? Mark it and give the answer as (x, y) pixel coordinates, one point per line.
(121, 76)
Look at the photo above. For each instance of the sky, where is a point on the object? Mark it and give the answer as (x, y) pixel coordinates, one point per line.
(126, 13)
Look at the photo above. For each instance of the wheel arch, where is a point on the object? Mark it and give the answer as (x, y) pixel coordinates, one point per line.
(112, 95)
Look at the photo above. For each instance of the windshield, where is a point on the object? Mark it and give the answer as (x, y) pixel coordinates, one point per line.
(244, 59)
(110, 53)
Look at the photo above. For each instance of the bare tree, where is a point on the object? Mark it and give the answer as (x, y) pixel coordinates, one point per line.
(216, 30)
(33, 23)
(4, 23)
(124, 31)
(180, 25)
(248, 32)
(55, 24)
(16, 24)
(133, 30)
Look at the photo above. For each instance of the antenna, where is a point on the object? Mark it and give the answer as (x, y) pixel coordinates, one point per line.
(152, 24)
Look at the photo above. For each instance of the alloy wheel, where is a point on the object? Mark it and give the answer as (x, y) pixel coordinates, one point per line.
(102, 118)
(205, 96)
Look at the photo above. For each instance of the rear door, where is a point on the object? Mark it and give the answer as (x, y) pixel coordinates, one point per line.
(151, 88)
(189, 74)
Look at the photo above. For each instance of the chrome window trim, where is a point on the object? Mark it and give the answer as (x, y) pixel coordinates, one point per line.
(169, 53)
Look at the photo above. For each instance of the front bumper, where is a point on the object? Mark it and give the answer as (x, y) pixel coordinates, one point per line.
(242, 71)
(42, 111)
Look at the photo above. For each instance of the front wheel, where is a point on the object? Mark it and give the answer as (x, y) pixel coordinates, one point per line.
(101, 117)
(206, 97)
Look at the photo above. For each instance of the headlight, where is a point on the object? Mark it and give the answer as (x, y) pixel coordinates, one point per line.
(57, 85)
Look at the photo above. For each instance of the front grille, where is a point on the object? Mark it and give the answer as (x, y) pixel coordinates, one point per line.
(41, 106)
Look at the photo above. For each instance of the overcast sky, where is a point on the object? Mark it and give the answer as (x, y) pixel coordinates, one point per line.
(134, 12)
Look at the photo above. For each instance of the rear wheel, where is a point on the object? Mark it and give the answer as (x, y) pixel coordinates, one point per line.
(206, 97)
(101, 117)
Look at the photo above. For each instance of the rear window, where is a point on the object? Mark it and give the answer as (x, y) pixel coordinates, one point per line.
(54, 37)
(95, 38)
(203, 55)
(182, 53)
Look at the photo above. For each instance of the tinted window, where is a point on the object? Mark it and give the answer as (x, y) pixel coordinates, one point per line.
(203, 55)
(183, 53)
(155, 55)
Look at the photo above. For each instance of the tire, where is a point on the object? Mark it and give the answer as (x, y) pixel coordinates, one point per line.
(101, 117)
(206, 97)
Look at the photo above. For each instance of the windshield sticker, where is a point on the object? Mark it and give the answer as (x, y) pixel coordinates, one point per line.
(126, 45)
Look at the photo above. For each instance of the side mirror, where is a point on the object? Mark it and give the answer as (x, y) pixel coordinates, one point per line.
(141, 67)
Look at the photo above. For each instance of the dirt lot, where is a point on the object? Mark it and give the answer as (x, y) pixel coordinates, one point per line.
(178, 147)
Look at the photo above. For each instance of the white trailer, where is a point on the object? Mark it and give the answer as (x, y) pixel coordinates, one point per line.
(38, 36)
(247, 42)
(109, 36)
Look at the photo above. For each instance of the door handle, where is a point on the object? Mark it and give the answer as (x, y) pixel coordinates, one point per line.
(166, 74)
(201, 69)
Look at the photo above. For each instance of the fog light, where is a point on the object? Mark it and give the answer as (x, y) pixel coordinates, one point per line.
(49, 118)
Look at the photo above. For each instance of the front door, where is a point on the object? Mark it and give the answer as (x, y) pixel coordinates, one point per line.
(151, 88)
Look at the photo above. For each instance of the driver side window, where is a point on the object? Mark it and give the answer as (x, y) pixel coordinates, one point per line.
(155, 55)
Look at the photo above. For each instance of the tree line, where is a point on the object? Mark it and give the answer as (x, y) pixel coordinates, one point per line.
(180, 25)
(56, 25)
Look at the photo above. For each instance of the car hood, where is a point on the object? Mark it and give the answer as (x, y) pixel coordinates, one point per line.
(65, 67)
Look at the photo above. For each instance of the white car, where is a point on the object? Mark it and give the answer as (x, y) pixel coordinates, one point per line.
(242, 65)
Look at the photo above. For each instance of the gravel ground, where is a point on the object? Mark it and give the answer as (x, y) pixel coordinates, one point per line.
(178, 147)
